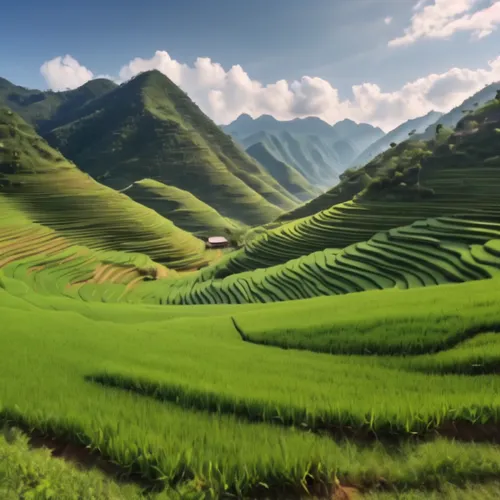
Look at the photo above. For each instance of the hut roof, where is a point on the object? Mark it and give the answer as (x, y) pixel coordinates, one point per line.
(217, 239)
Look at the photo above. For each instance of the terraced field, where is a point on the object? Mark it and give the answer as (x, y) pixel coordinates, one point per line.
(182, 208)
(465, 182)
(37, 184)
(427, 253)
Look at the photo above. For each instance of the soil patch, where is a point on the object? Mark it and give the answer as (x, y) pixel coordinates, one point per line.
(83, 458)
(468, 431)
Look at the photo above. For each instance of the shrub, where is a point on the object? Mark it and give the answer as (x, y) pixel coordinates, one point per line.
(471, 125)
(348, 174)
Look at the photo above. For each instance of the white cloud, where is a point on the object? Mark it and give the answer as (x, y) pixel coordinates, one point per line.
(443, 18)
(63, 73)
(224, 95)
(388, 20)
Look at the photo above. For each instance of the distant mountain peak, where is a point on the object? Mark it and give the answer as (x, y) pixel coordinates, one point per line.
(266, 119)
(244, 117)
(346, 121)
(152, 77)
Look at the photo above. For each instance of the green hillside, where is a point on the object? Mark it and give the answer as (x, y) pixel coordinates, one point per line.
(149, 128)
(312, 157)
(37, 184)
(470, 104)
(399, 134)
(353, 353)
(286, 175)
(180, 207)
(354, 181)
(453, 175)
(46, 109)
(427, 253)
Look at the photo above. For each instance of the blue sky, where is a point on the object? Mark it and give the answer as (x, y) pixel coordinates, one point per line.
(343, 42)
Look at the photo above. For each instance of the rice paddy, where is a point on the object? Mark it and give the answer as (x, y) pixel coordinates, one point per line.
(464, 179)
(366, 366)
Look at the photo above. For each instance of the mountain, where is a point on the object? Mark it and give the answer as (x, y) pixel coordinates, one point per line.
(245, 125)
(311, 156)
(359, 134)
(425, 126)
(470, 104)
(46, 109)
(181, 207)
(38, 184)
(319, 151)
(396, 135)
(286, 175)
(149, 128)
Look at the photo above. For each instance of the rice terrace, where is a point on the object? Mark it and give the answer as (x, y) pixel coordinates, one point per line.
(212, 287)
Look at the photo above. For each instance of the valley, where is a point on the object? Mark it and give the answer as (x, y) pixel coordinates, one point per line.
(343, 341)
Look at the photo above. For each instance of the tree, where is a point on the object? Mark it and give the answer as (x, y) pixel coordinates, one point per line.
(412, 132)
(347, 174)
(497, 97)
(393, 144)
(476, 104)
(439, 127)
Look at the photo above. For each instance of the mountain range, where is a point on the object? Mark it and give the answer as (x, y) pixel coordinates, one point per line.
(148, 139)
(149, 128)
(318, 151)
(321, 152)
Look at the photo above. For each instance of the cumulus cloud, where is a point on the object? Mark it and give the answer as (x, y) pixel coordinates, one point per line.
(443, 18)
(63, 73)
(388, 20)
(224, 95)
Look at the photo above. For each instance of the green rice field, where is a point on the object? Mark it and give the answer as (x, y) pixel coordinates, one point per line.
(352, 354)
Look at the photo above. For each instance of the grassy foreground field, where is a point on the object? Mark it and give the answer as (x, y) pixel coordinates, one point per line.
(176, 397)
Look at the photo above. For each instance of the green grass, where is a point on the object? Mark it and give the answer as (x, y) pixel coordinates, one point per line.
(417, 321)
(478, 355)
(26, 473)
(210, 413)
(470, 491)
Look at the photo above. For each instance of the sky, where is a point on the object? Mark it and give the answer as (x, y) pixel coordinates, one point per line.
(375, 61)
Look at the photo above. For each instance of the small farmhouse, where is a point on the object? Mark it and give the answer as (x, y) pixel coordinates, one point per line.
(217, 242)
